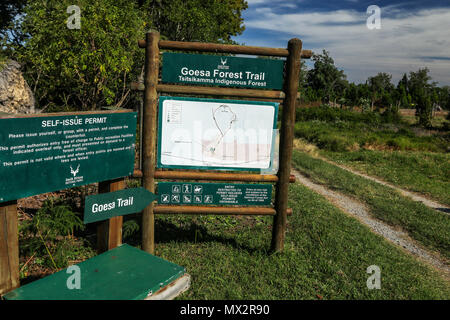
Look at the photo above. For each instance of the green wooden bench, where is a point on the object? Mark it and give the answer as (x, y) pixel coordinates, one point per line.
(123, 273)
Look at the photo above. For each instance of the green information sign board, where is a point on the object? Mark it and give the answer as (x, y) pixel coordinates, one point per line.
(190, 193)
(224, 71)
(216, 134)
(112, 204)
(49, 153)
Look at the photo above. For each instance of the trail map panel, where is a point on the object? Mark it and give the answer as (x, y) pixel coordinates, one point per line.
(48, 153)
(199, 194)
(216, 134)
(226, 71)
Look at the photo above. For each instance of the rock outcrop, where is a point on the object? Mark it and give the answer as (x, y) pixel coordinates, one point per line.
(15, 94)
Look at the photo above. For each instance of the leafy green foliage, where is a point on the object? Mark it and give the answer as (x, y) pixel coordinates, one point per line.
(421, 91)
(380, 87)
(86, 68)
(329, 114)
(8, 10)
(196, 20)
(50, 233)
(340, 130)
(325, 78)
(91, 68)
(130, 228)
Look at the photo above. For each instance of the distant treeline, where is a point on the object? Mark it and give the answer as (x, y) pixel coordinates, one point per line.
(327, 84)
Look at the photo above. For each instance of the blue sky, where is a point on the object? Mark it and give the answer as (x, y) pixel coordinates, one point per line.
(414, 34)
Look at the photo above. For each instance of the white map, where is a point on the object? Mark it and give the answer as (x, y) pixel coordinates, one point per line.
(216, 134)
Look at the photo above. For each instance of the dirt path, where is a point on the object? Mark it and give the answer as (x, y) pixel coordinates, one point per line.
(415, 196)
(362, 213)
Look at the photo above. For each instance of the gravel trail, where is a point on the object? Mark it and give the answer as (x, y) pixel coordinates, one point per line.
(362, 213)
(416, 197)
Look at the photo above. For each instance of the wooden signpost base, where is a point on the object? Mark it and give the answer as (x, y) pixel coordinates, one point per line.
(9, 247)
(109, 232)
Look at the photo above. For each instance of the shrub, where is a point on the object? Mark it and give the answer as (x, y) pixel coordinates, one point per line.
(329, 114)
(50, 233)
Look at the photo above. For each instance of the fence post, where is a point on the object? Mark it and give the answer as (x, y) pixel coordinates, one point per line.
(9, 247)
(109, 232)
(286, 143)
(149, 135)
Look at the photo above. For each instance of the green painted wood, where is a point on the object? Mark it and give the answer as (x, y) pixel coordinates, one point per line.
(190, 193)
(112, 204)
(49, 153)
(123, 273)
(225, 71)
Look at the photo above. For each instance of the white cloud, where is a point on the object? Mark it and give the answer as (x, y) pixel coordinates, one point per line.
(397, 48)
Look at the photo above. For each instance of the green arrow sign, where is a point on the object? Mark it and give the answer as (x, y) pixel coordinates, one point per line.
(107, 205)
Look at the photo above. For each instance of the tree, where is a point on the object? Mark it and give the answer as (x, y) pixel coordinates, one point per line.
(92, 67)
(421, 90)
(444, 97)
(325, 78)
(196, 20)
(352, 95)
(8, 10)
(401, 95)
(80, 69)
(10, 16)
(380, 87)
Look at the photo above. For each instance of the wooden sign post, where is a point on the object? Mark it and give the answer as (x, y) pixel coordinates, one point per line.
(151, 87)
(9, 247)
(286, 143)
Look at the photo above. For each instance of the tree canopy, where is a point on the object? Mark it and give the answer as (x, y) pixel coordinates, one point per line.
(91, 67)
(327, 80)
(196, 20)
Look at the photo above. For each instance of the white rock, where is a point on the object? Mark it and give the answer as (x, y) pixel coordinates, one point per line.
(15, 94)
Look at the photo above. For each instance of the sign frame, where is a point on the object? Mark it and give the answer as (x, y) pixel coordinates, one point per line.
(209, 69)
(159, 164)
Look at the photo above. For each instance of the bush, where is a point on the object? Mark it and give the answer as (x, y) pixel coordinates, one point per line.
(329, 114)
(391, 116)
(83, 69)
(50, 233)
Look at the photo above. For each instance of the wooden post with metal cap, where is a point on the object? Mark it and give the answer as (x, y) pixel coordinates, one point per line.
(286, 142)
(149, 135)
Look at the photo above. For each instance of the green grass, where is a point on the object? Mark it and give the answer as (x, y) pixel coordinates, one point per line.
(430, 227)
(344, 136)
(342, 130)
(326, 256)
(427, 173)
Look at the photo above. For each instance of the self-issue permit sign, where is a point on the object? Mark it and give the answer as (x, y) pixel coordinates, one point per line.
(40, 154)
